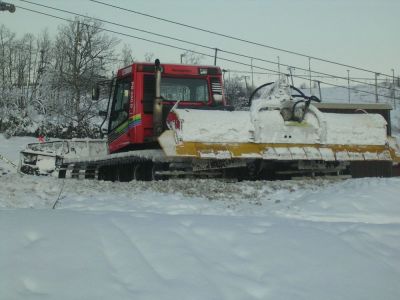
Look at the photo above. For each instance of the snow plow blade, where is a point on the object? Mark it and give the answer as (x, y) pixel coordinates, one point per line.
(273, 130)
(270, 151)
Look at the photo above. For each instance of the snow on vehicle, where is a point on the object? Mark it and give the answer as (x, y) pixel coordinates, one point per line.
(282, 131)
(173, 120)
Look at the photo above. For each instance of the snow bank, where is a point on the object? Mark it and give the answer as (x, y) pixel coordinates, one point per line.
(78, 255)
(9, 149)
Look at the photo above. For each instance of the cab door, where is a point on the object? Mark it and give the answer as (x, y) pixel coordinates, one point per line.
(118, 130)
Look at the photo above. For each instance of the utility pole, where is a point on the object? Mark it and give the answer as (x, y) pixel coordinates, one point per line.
(215, 56)
(376, 87)
(7, 6)
(348, 84)
(394, 90)
(279, 67)
(252, 74)
(309, 70)
(290, 69)
(247, 87)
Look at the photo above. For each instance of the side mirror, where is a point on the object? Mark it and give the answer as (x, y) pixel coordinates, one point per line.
(126, 107)
(113, 116)
(103, 113)
(103, 131)
(217, 98)
(95, 93)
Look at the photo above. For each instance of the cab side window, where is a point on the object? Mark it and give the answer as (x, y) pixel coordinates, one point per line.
(120, 108)
(149, 93)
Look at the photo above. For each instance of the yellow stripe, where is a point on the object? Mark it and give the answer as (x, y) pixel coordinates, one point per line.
(240, 150)
(136, 117)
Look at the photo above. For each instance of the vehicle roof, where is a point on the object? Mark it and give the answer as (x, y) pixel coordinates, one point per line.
(169, 68)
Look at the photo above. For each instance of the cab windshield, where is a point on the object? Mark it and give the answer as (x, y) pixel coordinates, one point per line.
(184, 89)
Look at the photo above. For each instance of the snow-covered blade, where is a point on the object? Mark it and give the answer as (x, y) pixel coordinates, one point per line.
(263, 132)
(42, 158)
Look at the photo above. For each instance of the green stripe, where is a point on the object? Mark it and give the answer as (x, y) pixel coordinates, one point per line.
(122, 127)
(136, 117)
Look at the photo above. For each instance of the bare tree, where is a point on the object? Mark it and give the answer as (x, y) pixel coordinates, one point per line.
(127, 55)
(191, 58)
(42, 94)
(82, 56)
(23, 65)
(6, 45)
(148, 56)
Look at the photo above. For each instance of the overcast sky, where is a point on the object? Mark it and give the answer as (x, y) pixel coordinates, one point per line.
(363, 33)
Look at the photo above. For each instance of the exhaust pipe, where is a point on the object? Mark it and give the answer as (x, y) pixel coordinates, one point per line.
(157, 106)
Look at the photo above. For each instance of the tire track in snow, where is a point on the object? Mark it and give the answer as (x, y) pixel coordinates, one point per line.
(125, 258)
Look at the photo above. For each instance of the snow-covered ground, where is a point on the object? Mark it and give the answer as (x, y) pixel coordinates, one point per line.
(206, 239)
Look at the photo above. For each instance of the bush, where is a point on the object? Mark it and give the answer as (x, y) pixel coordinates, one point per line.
(15, 125)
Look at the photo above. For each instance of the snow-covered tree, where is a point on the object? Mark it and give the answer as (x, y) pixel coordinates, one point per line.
(44, 81)
(235, 91)
(83, 52)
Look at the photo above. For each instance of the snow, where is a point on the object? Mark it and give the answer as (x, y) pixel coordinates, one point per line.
(207, 125)
(264, 124)
(361, 94)
(73, 148)
(203, 239)
(360, 129)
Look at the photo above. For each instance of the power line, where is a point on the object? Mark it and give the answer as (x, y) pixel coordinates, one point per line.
(196, 44)
(196, 52)
(305, 78)
(237, 39)
(120, 25)
(204, 54)
(299, 68)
